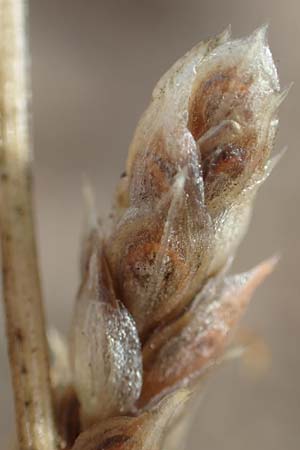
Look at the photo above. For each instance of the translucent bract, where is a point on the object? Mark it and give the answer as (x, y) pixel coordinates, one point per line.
(106, 353)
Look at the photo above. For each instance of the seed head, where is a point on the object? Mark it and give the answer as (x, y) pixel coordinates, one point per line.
(156, 308)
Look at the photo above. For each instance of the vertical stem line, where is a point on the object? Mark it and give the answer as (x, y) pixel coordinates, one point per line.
(28, 352)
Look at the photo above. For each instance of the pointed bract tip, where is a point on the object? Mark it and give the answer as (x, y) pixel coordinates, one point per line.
(247, 282)
(257, 41)
(259, 273)
(280, 97)
(168, 405)
(89, 202)
(272, 163)
(225, 35)
(261, 33)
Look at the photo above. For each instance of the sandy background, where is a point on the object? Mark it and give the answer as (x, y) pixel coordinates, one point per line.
(94, 65)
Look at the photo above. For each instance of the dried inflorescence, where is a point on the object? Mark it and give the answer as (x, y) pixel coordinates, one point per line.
(156, 307)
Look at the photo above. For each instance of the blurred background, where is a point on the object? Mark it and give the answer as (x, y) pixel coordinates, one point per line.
(94, 65)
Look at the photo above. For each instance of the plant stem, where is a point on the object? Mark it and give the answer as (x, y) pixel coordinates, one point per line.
(28, 351)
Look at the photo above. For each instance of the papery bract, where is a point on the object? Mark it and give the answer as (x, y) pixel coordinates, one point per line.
(144, 432)
(106, 351)
(182, 350)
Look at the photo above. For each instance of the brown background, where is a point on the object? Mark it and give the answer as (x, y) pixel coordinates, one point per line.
(94, 65)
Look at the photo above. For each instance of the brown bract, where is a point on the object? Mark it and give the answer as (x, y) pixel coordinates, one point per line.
(180, 351)
(144, 432)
